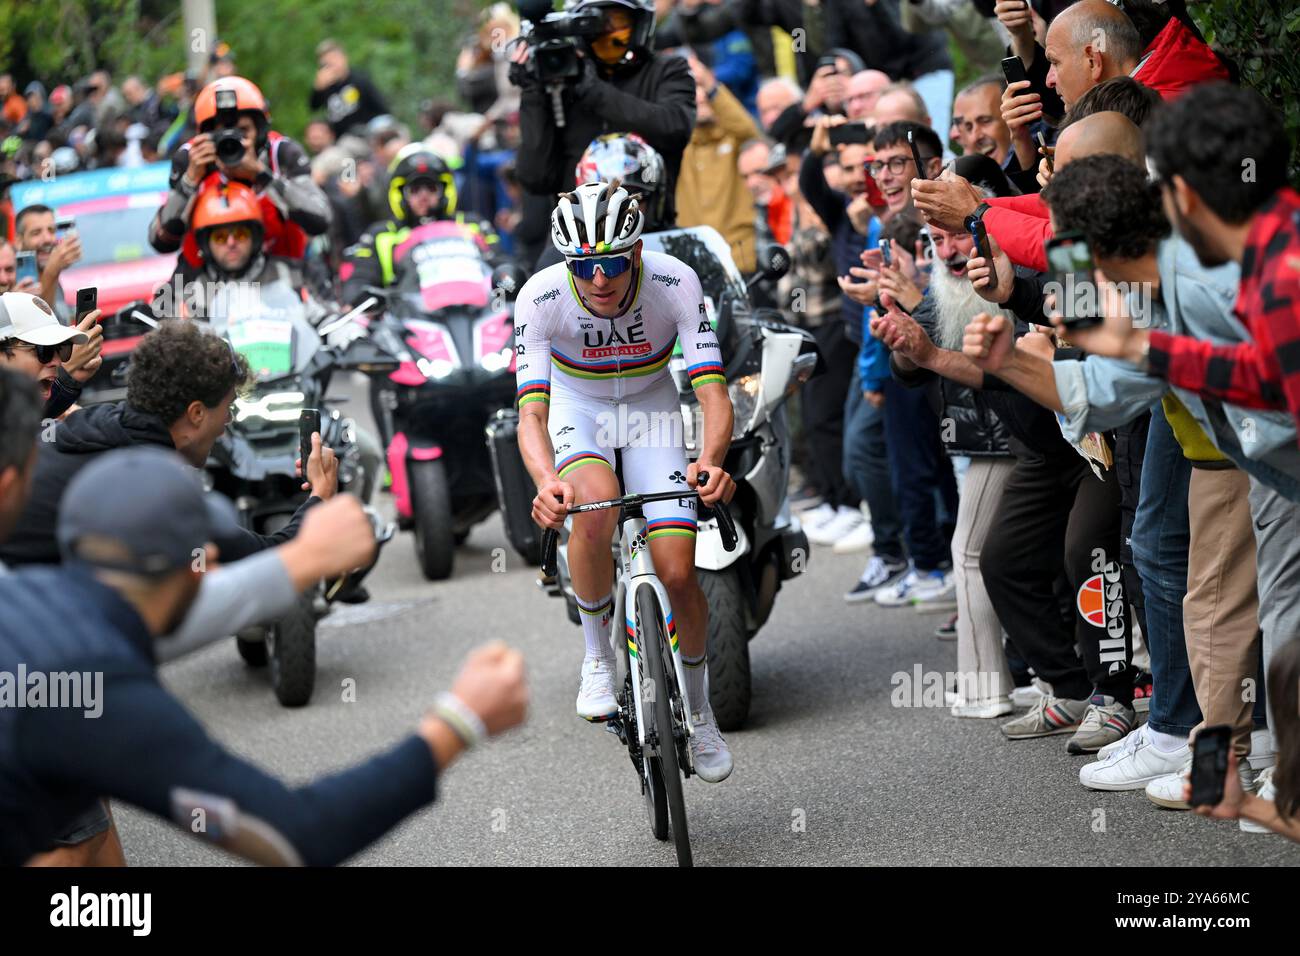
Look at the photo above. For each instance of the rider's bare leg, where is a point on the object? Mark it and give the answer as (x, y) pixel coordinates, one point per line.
(590, 565)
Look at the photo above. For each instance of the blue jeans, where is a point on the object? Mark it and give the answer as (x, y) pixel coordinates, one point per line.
(922, 475)
(1160, 541)
(866, 469)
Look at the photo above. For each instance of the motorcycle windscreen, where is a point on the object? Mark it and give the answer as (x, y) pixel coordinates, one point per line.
(267, 344)
(445, 264)
(704, 250)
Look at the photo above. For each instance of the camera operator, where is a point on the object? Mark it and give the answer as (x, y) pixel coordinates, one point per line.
(235, 142)
(619, 84)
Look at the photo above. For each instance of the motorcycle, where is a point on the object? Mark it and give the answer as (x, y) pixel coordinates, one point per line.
(766, 361)
(254, 462)
(450, 320)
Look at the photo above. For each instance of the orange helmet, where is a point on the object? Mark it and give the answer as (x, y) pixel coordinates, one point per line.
(225, 204)
(217, 97)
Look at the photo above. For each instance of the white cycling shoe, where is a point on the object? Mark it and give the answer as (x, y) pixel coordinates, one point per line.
(709, 751)
(596, 693)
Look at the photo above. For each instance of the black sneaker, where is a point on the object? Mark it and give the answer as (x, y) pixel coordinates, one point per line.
(948, 630)
(880, 572)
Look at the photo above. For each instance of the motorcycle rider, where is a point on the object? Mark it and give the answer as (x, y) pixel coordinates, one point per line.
(274, 166)
(594, 334)
(421, 189)
(229, 233)
(638, 166)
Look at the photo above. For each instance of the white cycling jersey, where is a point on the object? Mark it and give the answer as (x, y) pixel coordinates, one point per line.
(586, 366)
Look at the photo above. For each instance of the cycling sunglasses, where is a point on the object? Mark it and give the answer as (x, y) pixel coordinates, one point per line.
(46, 352)
(612, 266)
(222, 234)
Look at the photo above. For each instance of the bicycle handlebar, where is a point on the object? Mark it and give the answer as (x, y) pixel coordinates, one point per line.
(551, 537)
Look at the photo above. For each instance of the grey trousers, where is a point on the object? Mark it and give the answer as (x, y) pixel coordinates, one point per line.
(980, 658)
(1277, 557)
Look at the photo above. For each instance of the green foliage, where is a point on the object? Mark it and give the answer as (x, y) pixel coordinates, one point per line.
(408, 47)
(1263, 36)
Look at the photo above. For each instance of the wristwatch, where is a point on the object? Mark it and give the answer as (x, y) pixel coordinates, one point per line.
(976, 216)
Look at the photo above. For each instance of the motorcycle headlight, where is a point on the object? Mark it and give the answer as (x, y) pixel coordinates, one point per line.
(745, 395)
(271, 406)
(437, 368)
(496, 361)
(745, 392)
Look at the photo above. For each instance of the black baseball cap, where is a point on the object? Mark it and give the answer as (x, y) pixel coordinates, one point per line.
(142, 511)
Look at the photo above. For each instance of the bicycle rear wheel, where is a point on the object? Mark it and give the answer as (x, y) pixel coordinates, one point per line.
(653, 647)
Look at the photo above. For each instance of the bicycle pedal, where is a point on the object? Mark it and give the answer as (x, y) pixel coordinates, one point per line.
(606, 719)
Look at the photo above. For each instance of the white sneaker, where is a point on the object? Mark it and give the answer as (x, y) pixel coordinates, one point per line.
(998, 707)
(877, 574)
(846, 521)
(709, 751)
(1132, 767)
(1112, 749)
(937, 592)
(816, 517)
(1265, 791)
(596, 693)
(1262, 753)
(1167, 791)
(859, 539)
(1028, 695)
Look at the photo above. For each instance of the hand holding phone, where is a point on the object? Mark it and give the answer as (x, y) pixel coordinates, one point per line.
(1070, 261)
(851, 133)
(27, 268)
(87, 302)
(1210, 765)
(886, 252)
(916, 156)
(1013, 68)
(308, 422)
(981, 237)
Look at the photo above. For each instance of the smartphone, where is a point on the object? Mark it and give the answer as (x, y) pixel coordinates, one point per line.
(1070, 261)
(1042, 145)
(1210, 765)
(886, 251)
(308, 422)
(1014, 70)
(87, 302)
(850, 133)
(27, 267)
(64, 225)
(874, 196)
(981, 237)
(916, 156)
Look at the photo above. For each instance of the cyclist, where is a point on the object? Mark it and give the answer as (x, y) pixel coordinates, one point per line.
(421, 189)
(273, 165)
(606, 321)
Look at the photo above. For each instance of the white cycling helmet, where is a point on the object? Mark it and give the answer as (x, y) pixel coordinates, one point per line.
(596, 219)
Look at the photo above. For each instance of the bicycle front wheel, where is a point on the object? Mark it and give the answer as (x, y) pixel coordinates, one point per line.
(655, 661)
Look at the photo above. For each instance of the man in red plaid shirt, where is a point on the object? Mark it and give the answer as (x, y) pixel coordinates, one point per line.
(1221, 154)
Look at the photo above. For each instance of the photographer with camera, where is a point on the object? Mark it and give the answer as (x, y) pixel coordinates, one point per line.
(235, 143)
(589, 70)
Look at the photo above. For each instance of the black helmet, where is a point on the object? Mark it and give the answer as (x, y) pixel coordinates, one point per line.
(628, 158)
(640, 44)
(415, 162)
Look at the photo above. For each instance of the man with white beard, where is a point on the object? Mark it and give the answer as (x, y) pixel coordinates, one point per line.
(1048, 516)
(969, 428)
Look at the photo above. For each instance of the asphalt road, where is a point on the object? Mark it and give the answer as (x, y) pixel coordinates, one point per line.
(827, 771)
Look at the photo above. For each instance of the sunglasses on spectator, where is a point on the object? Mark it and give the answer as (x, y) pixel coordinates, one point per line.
(896, 164)
(612, 266)
(223, 234)
(44, 353)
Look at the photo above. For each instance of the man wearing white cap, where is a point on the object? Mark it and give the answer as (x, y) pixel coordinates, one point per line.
(60, 358)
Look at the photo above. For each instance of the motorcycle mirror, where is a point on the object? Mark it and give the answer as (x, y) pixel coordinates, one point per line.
(509, 277)
(774, 261)
(333, 325)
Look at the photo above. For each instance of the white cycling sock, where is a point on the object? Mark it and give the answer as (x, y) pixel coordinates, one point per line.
(697, 684)
(595, 628)
(1165, 743)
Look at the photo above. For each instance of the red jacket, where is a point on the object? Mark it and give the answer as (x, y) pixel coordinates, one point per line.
(1174, 61)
